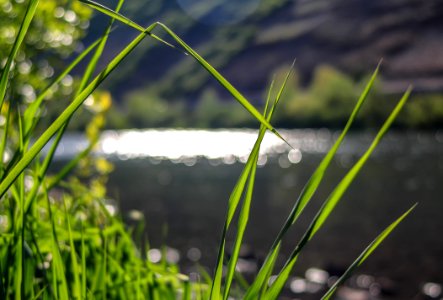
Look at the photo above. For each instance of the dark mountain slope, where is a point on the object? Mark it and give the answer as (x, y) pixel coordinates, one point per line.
(351, 35)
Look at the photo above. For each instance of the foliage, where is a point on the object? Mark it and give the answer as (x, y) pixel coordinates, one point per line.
(211, 112)
(57, 27)
(324, 102)
(425, 111)
(142, 111)
(60, 237)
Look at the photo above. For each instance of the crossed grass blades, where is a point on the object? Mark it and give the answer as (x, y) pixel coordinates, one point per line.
(49, 252)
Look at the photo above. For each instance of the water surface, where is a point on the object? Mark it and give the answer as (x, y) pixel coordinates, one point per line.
(183, 178)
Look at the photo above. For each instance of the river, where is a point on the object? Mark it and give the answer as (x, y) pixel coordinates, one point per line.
(181, 180)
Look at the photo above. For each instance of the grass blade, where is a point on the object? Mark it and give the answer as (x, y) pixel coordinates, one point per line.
(26, 22)
(242, 222)
(365, 254)
(4, 140)
(76, 290)
(83, 262)
(234, 199)
(90, 69)
(114, 14)
(117, 16)
(244, 214)
(104, 268)
(60, 285)
(22, 210)
(332, 201)
(347, 180)
(306, 196)
(40, 293)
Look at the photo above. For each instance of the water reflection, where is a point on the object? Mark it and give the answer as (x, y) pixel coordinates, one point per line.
(229, 146)
(217, 146)
(183, 178)
(194, 254)
(181, 145)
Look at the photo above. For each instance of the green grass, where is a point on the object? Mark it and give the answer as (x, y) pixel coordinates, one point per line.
(61, 242)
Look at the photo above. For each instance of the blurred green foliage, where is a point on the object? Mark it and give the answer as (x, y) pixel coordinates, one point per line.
(57, 27)
(325, 102)
(151, 110)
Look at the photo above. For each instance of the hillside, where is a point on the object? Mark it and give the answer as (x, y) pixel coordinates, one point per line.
(337, 43)
(351, 35)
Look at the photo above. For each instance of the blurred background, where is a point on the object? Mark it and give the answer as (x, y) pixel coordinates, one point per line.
(337, 44)
(178, 141)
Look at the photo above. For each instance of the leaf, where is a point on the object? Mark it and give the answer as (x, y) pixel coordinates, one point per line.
(26, 22)
(365, 254)
(233, 202)
(305, 197)
(76, 290)
(115, 15)
(245, 211)
(332, 201)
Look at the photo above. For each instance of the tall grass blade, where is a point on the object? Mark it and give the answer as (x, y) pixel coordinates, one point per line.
(332, 201)
(347, 180)
(60, 284)
(305, 197)
(104, 269)
(90, 69)
(22, 207)
(242, 222)
(245, 211)
(3, 288)
(117, 16)
(19, 267)
(41, 259)
(365, 254)
(76, 289)
(83, 262)
(40, 293)
(4, 140)
(234, 199)
(114, 14)
(17, 194)
(26, 22)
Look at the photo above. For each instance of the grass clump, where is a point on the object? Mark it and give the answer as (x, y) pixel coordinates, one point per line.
(59, 238)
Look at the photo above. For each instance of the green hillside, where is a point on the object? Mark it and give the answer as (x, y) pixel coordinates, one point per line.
(248, 47)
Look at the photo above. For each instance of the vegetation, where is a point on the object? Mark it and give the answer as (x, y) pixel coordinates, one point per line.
(194, 91)
(324, 102)
(52, 37)
(59, 236)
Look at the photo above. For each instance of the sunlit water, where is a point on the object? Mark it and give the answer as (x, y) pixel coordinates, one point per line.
(183, 178)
